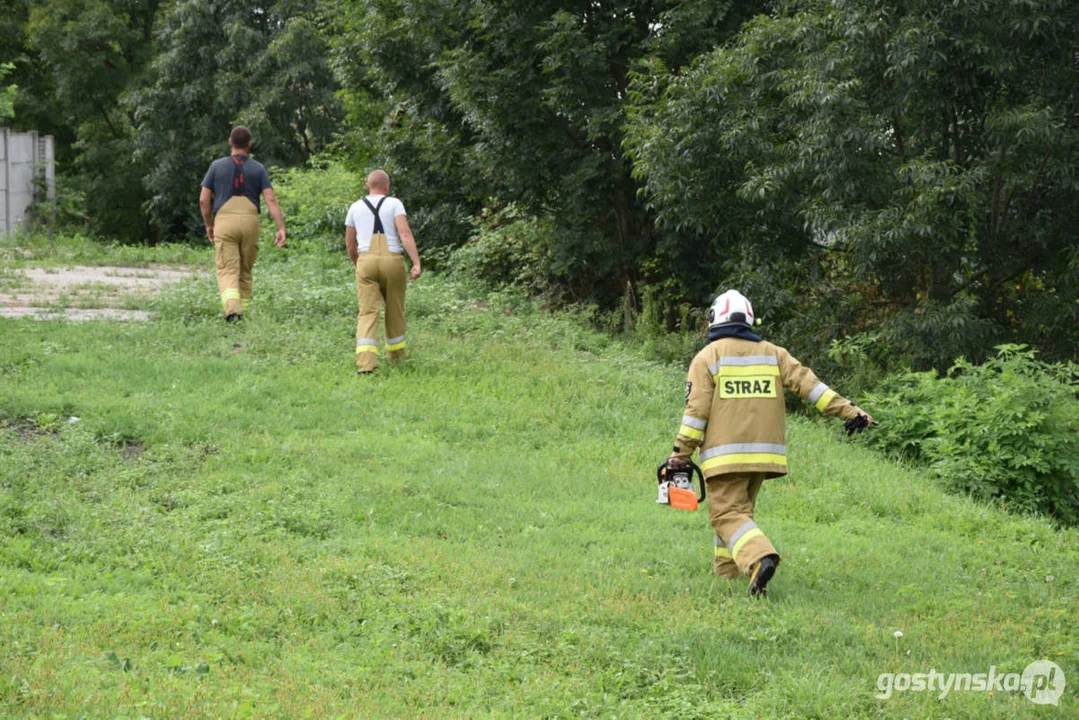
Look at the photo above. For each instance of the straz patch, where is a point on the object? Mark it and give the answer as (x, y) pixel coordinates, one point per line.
(747, 387)
(689, 389)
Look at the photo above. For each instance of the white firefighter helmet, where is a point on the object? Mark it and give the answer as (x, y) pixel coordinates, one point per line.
(731, 308)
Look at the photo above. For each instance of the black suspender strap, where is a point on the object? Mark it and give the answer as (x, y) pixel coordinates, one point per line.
(374, 209)
(237, 175)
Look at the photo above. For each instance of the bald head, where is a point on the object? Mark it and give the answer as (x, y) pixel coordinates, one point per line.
(378, 182)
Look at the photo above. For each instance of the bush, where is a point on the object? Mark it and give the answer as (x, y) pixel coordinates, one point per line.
(315, 200)
(1006, 430)
(66, 213)
(510, 249)
(860, 362)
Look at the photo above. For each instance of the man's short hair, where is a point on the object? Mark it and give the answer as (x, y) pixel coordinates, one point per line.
(378, 179)
(240, 137)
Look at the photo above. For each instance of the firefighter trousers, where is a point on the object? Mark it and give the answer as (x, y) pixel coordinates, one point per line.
(732, 499)
(380, 278)
(236, 245)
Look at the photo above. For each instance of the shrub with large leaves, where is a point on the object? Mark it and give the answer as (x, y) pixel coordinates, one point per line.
(1007, 429)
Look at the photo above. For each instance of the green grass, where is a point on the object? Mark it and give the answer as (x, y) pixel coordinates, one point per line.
(18, 251)
(240, 526)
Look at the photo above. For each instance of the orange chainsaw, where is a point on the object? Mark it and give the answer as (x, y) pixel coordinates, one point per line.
(676, 485)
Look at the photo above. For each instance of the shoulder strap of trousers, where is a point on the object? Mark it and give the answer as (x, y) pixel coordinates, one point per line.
(374, 209)
(237, 175)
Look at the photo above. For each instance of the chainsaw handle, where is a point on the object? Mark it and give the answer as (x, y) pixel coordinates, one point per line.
(661, 474)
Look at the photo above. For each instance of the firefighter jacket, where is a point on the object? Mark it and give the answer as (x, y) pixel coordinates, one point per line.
(735, 409)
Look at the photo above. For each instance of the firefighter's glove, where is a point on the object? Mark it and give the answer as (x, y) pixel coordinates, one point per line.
(676, 463)
(858, 424)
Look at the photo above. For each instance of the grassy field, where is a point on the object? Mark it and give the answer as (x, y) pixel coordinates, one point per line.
(67, 250)
(237, 525)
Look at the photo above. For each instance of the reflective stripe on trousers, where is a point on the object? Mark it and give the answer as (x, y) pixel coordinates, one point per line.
(230, 294)
(721, 549)
(741, 536)
(732, 500)
(380, 279)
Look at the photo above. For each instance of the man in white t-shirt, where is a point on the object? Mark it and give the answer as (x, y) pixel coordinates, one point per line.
(376, 232)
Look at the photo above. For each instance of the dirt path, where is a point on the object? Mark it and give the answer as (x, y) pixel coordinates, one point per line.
(85, 292)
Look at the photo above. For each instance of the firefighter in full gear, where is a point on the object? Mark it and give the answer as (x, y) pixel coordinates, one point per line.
(376, 233)
(735, 415)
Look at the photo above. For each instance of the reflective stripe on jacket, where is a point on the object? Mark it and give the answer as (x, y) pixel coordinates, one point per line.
(735, 410)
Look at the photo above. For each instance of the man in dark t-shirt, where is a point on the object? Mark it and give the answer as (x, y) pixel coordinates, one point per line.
(229, 201)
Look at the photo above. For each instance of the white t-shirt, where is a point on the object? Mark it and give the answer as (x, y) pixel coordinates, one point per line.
(360, 217)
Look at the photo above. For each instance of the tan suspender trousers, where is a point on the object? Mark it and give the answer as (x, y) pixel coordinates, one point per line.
(236, 245)
(380, 277)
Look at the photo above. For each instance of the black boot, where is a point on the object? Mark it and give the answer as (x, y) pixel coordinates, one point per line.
(760, 573)
(233, 317)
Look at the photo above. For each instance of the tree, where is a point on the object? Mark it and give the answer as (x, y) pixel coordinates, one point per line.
(140, 93)
(926, 150)
(111, 41)
(219, 64)
(525, 102)
(24, 71)
(7, 94)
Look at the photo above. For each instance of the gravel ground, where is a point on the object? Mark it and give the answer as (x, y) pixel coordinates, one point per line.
(85, 292)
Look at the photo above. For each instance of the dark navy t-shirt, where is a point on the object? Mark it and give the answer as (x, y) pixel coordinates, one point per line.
(222, 173)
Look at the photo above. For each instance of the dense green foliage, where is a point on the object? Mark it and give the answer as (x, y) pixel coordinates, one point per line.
(238, 526)
(241, 61)
(524, 103)
(922, 155)
(7, 94)
(81, 56)
(141, 96)
(315, 200)
(511, 248)
(1006, 430)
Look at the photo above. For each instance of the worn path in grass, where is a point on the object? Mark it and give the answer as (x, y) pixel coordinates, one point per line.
(85, 292)
(239, 526)
(70, 279)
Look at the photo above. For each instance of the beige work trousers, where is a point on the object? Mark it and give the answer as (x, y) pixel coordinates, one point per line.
(380, 278)
(732, 499)
(236, 245)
